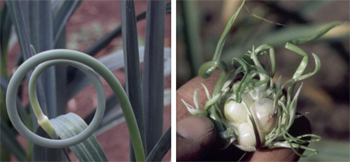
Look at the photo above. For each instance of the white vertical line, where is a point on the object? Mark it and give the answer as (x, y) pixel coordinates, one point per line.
(173, 80)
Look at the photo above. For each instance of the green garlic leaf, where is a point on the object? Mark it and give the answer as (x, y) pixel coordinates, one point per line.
(70, 125)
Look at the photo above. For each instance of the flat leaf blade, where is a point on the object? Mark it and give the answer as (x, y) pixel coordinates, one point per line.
(153, 74)
(132, 66)
(41, 29)
(70, 125)
(18, 21)
(161, 148)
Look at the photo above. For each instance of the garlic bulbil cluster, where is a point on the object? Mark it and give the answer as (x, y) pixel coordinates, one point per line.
(237, 116)
(248, 108)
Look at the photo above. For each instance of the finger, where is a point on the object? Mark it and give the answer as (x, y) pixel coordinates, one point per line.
(300, 126)
(197, 140)
(210, 147)
(186, 93)
(195, 136)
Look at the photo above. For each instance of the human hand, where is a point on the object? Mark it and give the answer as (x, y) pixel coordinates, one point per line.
(197, 138)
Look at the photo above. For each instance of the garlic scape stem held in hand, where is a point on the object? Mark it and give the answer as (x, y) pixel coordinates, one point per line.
(253, 112)
(88, 65)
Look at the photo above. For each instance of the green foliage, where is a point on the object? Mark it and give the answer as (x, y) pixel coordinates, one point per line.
(41, 26)
(152, 80)
(70, 125)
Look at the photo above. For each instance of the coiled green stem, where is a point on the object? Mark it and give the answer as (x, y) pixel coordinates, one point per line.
(74, 58)
(42, 119)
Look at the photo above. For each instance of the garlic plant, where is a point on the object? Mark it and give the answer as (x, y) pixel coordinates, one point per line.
(253, 112)
(88, 65)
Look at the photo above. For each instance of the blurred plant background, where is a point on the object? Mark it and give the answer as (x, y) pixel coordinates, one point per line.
(324, 98)
(93, 27)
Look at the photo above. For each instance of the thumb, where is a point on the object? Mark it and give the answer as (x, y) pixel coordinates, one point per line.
(195, 137)
(197, 140)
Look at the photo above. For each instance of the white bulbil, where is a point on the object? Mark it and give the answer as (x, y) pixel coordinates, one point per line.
(235, 112)
(246, 136)
(262, 111)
